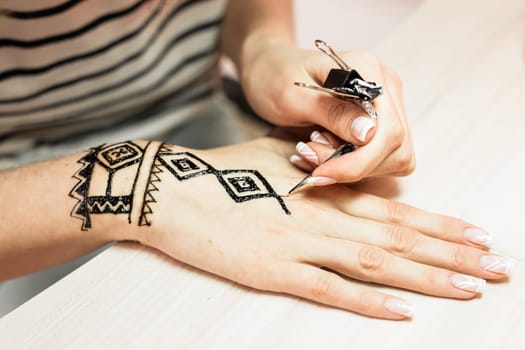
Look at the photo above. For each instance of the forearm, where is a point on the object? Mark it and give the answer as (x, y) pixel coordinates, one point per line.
(40, 226)
(55, 211)
(248, 24)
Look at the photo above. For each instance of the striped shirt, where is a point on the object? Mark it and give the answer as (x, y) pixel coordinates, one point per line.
(75, 73)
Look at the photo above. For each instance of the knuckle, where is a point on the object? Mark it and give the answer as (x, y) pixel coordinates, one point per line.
(458, 258)
(405, 163)
(364, 304)
(411, 166)
(396, 212)
(279, 231)
(397, 135)
(280, 102)
(310, 213)
(445, 228)
(259, 273)
(269, 278)
(371, 258)
(336, 112)
(354, 175)
(402, 162)
(321, 287)
(402, 240)
(431, 279)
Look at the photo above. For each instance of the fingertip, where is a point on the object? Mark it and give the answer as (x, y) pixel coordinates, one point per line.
(294, 158)
(466, 286)
(363, 129)
(320, 181)
(370, 135)
(327, 138)
(322, 150)
(318, 137)
(478, 237)
(401, 309)
(301, 163)
(307, 152)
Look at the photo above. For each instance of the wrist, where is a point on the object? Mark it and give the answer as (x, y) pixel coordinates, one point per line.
(259, 44)
(114, 188)
(105, 226)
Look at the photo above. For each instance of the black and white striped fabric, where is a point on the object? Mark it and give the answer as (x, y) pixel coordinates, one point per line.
(98, 70)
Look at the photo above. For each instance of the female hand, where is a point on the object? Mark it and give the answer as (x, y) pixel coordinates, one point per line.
(269, 69)
(333, 236)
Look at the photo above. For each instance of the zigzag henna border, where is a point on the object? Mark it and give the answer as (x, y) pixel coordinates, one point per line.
(148, 196)
(151, 187)
(80, 191)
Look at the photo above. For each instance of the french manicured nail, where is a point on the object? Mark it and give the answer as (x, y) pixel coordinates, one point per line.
(468, 283)
(497, 263)
(320, 181)
(361, 126)
(316, 136)
(307, 152)
(399, 307)
(478, 236)
(294, 158)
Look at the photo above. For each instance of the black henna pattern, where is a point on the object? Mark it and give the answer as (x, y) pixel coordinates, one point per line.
(106, 160)
(151, 187)
(242, 185)
(80, 190)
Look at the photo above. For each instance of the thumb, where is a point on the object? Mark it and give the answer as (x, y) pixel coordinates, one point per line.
(345, 119)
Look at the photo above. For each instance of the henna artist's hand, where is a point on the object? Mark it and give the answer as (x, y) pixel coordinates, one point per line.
(205, 212)
(269, 69)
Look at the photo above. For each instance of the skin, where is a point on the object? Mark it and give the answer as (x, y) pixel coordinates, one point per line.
(258, 36)
(353, 235)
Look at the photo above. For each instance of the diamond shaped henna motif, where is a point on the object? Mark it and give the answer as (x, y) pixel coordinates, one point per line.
(119, 155)
(243, 184)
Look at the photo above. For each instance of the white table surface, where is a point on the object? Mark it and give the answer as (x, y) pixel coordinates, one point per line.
(464, 71)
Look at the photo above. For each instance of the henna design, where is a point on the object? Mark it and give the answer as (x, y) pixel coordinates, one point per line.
(242, 185)
(103, 161)
(146, 163)
(80, 190)
(151, 187)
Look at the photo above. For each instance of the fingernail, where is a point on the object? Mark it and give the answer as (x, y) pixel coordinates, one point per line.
(361, 126)
(468, 283)
(478, 236)
(294, 158)
(319, 181)
(316, 136)
(496, 263)
(399, 307)
(307, 152)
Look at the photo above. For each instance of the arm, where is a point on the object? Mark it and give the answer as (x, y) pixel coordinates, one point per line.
(246, 23)
(36, 229)
(220, 210)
